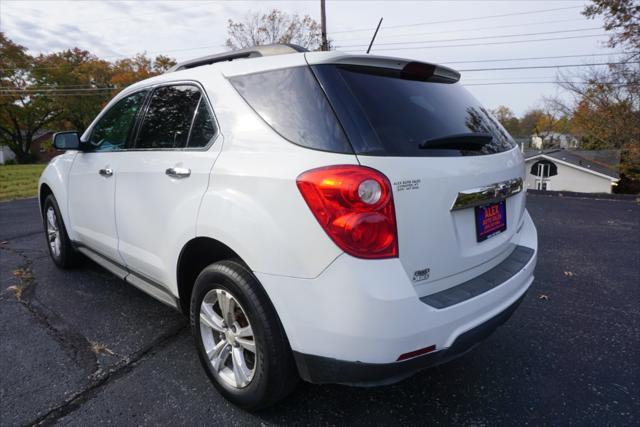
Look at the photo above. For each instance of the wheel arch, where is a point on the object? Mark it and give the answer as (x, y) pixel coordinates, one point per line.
(43, 192)
(195, 255)
(54, 181)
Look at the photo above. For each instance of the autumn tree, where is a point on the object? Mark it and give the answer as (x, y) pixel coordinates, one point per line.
(275, 26)
(162, 64)
(605, 103)
(24, 111)
(60, 90)
(529, 121)
(507, 119)
(78, 83)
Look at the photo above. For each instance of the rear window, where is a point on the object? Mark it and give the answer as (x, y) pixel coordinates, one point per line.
(385, 115)
(293, 104)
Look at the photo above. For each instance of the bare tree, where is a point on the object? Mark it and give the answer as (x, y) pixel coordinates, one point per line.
(605, 103)
(622, 18)
(275, 26)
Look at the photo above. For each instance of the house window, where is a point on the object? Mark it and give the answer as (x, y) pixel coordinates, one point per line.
(543, 170)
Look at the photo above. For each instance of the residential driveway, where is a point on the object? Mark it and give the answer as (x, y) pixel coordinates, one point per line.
(82, 348)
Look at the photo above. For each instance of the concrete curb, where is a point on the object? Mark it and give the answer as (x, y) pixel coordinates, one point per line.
(602, 196)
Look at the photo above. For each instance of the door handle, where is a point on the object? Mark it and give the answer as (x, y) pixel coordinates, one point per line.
(178, 172)
(106, 172)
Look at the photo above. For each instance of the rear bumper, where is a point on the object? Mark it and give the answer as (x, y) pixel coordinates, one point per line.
(353, 322)
(322, 370)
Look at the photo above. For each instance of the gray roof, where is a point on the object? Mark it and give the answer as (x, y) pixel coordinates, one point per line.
(577, 158)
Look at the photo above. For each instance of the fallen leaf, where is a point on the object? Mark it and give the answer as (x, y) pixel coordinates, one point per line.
(569, 273)
(23, 274)
(543, 297)
(99, 348)
(17, 291)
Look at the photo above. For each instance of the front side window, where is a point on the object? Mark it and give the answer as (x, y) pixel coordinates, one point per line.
(113, 129)
(168, 120)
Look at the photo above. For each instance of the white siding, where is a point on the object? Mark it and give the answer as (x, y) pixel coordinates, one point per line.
(6, 154)
(570, 179)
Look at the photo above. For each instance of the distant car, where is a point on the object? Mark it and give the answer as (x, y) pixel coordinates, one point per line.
(337, 218)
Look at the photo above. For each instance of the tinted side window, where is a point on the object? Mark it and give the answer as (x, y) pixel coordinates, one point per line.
(293, 104)
(112, 130)
(203, 128)
(168, 119)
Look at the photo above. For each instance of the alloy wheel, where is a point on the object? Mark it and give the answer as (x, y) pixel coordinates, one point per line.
(228, 338)
(53, 232)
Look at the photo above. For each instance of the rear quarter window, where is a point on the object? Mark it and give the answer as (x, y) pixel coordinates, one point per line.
(293, 104)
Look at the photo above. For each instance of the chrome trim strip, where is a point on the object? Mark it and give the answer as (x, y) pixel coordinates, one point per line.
(487, 194)
(103, 262)
(146, 285)
(153, 290)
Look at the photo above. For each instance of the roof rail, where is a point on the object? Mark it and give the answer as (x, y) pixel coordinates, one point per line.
(249, 52)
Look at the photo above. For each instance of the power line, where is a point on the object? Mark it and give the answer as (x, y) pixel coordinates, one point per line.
(533, 58)
(19, 91)
(492, 43)
(556, 82)
(548, 66)
(98, 89)
(57, 95)
(531, 12)
(493, 78)
(123, 57)
(439, 62)
(395, 48)
(55, 86)
(479, 38)
(470, 84)
(83, 88)
(466, 30)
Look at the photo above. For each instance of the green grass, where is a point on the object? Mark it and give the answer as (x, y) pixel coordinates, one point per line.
(19, 181)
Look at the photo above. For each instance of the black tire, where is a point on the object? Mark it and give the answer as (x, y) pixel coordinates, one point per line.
(275, 373)
(68, 256)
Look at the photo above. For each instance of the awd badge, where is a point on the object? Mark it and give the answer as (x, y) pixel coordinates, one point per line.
(421, 275)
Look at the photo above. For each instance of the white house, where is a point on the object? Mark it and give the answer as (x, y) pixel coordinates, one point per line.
(564, 170)
(6, 154)
(555, 140)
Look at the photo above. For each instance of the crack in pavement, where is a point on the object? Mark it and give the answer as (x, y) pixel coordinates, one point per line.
(21, 236)
(103, 378)
(73, 342)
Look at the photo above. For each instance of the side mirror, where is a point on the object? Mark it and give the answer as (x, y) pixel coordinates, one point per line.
(66, 140)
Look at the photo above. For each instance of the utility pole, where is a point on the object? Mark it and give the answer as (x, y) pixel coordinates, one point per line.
(323, 24)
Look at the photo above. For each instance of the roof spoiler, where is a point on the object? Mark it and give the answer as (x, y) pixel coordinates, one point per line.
(249, 52)
(406, 68)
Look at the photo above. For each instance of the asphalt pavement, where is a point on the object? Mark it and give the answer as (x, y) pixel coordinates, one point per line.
(81, 347)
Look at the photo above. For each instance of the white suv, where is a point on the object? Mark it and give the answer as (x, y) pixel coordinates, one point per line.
(337, 218)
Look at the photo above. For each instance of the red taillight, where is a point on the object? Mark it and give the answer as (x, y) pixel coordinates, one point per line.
(354, 205)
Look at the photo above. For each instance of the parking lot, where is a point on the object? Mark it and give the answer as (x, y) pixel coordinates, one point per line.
(81, 347)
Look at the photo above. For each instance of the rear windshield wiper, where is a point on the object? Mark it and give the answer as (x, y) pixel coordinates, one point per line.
(472, 141)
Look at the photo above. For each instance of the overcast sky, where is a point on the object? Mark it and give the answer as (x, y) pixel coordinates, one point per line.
(411, 29)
